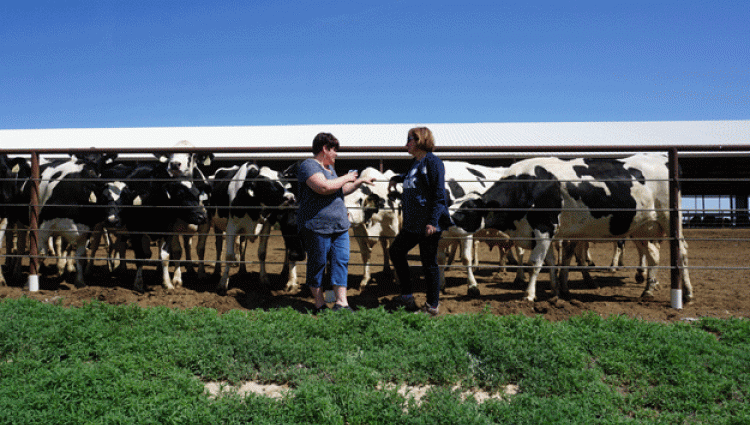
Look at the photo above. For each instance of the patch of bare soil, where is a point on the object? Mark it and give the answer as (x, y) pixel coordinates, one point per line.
(717, 258)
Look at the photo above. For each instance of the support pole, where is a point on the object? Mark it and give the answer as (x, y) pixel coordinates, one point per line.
(675, 225)
(33, 282)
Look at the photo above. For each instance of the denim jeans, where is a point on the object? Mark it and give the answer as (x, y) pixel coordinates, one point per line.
(428, 246)
(322, 249)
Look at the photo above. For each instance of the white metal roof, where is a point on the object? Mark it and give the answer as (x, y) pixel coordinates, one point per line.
(648, 133)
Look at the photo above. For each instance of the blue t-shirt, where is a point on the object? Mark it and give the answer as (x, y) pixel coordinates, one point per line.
(325, 214)
(424, 201)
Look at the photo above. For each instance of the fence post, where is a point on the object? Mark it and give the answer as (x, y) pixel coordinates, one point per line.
(675, 225)
(33, 282)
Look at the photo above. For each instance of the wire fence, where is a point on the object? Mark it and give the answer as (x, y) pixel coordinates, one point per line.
(16, 230)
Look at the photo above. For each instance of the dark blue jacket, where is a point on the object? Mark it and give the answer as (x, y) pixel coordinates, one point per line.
(424, 199)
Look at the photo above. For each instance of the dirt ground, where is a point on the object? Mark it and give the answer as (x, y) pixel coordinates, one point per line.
(716, 259)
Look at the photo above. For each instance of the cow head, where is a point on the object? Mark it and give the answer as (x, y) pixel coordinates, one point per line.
(469, 215)
(95, 162)
(182, 164)
(187, 201)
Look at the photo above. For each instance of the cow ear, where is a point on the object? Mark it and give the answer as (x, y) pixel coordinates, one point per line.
(253, 171)
(161, 157)
(206, 159)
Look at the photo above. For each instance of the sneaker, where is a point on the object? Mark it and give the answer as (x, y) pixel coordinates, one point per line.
(337, 307)
(432, 311)
(318, 310)
(407, 303)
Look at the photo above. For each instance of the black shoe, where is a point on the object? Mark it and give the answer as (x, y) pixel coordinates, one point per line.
(320, 309)
(407, 303)
(337, 307)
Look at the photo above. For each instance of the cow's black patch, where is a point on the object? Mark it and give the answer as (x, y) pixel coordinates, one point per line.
(477, 173)
(619, 203)
(536, 197)
(455, 189)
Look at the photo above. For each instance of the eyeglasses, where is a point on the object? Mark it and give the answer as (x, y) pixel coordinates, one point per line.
(411, 139)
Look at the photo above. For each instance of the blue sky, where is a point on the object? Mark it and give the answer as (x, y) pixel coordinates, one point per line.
(76, 64)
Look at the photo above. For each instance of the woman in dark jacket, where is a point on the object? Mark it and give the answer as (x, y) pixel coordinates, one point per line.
(425, 216)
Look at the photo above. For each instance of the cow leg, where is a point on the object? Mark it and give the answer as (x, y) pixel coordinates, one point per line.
(187, 241)
(567, 250)
(241, 244)
(21, 237)
(175, 254)
(649, 253)
(583, 258)
(164, 249)
(119, 248)
(138, 283)
(520, 279)
(467, 259)
(291, 273)
(617, 256)
(538, 257)
(200, 248)
(219, 245)
(81, 264)
(360, 234)
(231, 258)
(95, 241)
(687, 287)
(265, 233)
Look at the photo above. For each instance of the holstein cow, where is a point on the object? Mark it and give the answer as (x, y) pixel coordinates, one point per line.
(187, 165)
(542, 200)
(245, 200)
(152, 202)
(374, 217)
(466, 182)
(70, 205)
(14, 172)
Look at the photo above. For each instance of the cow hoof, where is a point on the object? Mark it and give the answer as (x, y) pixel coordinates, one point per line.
(473, 292)
(687, 297)
(291, 287)
(647, 295)
(520, 283)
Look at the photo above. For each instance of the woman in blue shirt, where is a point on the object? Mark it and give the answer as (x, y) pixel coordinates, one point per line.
(425, 216)
(323, 220)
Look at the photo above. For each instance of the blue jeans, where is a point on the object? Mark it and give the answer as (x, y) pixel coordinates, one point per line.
(324, 249)
(428, 246)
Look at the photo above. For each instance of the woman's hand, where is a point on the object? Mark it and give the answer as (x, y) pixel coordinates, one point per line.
(430, 230)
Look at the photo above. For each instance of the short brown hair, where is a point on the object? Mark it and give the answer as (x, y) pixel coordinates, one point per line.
(322, 140)
(423, 138)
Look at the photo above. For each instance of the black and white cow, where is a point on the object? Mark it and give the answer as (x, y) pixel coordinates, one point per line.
(466, 182)
(246, 200)
(374, 217)
(542, 200)
(14, 172)
(187, 165)
(70, 205)
(152, 201)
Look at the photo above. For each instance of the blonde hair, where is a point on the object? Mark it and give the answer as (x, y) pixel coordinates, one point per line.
(423, 138)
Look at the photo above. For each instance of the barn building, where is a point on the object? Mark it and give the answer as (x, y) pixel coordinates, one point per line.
(713, 155)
